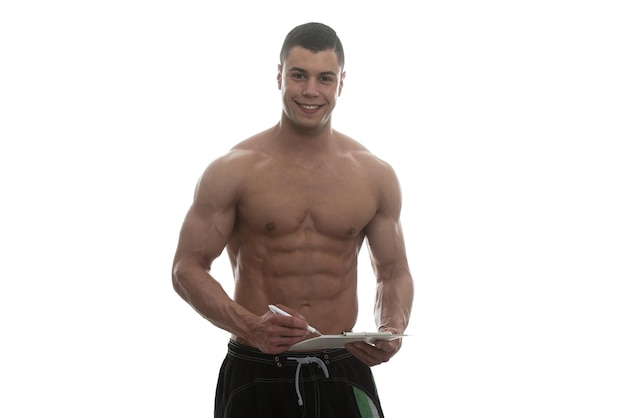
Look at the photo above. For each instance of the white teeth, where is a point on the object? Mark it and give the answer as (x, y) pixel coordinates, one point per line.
(309, 107)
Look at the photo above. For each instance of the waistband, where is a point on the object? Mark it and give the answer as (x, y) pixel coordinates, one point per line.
(288, 358)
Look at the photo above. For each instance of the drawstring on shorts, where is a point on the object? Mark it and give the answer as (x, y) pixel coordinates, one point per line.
(306, 360)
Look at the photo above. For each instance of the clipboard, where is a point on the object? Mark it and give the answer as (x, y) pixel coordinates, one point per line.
(339, 341)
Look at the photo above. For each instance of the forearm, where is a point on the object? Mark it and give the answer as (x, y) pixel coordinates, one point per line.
(394, 301)
(205, 294)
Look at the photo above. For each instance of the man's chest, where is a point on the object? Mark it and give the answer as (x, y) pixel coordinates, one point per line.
(335, 201)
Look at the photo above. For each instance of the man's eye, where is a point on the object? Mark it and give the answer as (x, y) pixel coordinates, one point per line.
(297, 76)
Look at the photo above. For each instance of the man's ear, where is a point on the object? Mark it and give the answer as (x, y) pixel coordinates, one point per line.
(279, 77)
(343, 75)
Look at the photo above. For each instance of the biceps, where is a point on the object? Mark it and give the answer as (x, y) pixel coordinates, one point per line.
(386, 246)
(204, 234)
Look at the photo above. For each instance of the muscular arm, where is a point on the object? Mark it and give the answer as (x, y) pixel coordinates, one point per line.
(205, 232)
(394, 283)
(203, 236)
(394, 289)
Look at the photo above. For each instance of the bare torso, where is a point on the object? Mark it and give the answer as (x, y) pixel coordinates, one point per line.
(298, 230)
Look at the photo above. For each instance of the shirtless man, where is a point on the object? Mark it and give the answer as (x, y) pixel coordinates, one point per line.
(292, 205)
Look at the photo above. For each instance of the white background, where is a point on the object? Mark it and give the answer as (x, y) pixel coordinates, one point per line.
(505, 122)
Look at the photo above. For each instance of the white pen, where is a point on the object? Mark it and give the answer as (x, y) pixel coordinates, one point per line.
(279, 311)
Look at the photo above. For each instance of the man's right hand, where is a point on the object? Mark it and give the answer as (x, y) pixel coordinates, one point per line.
(276, 333)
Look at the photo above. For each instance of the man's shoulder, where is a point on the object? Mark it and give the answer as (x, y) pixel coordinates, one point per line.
(251, 147)
(360, 153)
(235, 163)
(245, 152)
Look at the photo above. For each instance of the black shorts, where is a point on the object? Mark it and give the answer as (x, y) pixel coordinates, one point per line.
(329, 383)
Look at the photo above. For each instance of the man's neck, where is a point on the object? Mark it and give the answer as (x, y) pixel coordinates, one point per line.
(292, 132)
(306, 147)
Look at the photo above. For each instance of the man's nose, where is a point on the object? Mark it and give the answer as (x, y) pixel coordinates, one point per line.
(310, 88)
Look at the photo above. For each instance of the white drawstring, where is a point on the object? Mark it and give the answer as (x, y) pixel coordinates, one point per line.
(306, 360)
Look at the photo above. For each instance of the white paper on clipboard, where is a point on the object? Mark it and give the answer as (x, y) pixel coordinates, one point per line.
(339, 341)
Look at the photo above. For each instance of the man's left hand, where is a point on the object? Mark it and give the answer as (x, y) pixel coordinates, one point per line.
(378, 353)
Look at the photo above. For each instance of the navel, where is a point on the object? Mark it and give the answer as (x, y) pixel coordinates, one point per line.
(269, 226)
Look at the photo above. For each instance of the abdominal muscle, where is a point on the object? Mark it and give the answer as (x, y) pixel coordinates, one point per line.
(316, 277)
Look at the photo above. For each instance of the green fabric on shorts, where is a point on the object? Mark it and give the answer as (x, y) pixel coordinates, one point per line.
(367, 409)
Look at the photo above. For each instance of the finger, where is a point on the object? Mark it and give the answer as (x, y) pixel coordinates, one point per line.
(364, 352)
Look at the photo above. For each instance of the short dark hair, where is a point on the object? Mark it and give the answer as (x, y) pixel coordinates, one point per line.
(315, 37)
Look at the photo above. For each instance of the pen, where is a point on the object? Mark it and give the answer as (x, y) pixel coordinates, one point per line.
(279, 311)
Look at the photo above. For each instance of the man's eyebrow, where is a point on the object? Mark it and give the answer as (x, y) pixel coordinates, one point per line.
(302, 70)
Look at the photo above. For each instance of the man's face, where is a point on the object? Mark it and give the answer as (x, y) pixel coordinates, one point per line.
(310, 84)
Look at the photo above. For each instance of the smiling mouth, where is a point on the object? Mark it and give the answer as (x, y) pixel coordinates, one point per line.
(309, 108)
